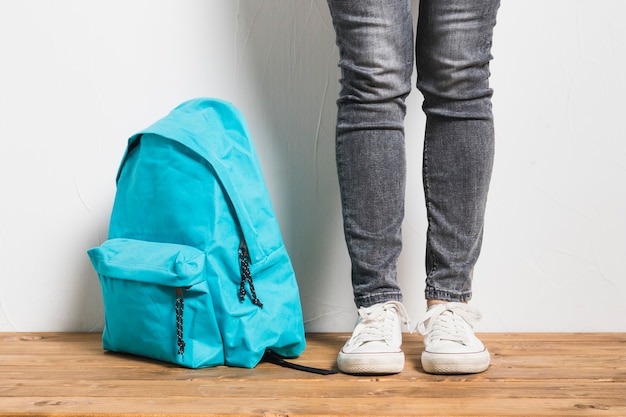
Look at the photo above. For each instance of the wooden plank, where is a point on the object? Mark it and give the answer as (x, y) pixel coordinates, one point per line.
(385, 406)
(338, 387)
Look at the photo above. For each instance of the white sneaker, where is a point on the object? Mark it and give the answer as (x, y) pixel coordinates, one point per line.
(374, 347)
(450, 344)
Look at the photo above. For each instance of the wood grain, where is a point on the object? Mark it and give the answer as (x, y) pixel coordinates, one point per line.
(532, 374)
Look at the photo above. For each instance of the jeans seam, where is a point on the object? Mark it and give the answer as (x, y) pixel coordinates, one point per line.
(429, 253)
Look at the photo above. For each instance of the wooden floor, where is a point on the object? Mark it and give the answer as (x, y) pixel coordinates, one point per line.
(68, 374)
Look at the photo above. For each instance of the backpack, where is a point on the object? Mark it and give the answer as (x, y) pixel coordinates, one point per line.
(194, 271)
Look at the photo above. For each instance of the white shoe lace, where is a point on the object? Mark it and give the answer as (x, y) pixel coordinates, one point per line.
(376, 323)
(449, 321)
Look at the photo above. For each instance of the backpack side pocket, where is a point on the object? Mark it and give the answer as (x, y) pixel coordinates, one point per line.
(157, 302)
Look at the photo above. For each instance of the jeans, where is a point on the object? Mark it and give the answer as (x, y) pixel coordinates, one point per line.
(452, 54)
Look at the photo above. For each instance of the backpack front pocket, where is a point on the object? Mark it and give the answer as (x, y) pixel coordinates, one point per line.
(157, 302)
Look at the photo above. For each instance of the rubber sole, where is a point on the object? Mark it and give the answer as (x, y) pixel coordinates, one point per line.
(370, 363)
(455, 363)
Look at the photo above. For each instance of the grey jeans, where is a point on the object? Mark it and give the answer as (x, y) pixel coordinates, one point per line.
(452, 51)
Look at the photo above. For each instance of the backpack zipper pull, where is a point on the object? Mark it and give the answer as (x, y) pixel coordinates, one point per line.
(246, 277)
(180, 307)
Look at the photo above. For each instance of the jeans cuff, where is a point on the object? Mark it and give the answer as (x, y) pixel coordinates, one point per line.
(435, 294)
(373, 299)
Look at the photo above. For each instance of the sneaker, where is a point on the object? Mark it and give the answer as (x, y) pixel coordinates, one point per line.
(374, 347)
(450, 344)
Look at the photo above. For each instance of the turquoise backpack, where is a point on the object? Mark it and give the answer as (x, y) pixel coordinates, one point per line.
(195, 271)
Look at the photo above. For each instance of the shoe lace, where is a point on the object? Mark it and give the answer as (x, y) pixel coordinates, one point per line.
(449, 321)
(376, 322)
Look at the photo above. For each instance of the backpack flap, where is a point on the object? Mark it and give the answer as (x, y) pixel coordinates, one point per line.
(157, 302)
(217, 132)
(165, 264)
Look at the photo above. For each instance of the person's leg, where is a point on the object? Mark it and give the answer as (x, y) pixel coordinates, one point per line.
(453, 53)
(375, 40)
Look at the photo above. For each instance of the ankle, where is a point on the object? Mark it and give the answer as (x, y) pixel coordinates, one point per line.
(430, 303)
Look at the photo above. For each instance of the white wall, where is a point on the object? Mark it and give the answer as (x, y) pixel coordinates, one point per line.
(77, 78)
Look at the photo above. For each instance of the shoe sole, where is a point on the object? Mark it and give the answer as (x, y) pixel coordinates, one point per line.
(455, 363)
(370, 363)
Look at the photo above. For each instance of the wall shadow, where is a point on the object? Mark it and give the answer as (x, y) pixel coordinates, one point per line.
(287, 69)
